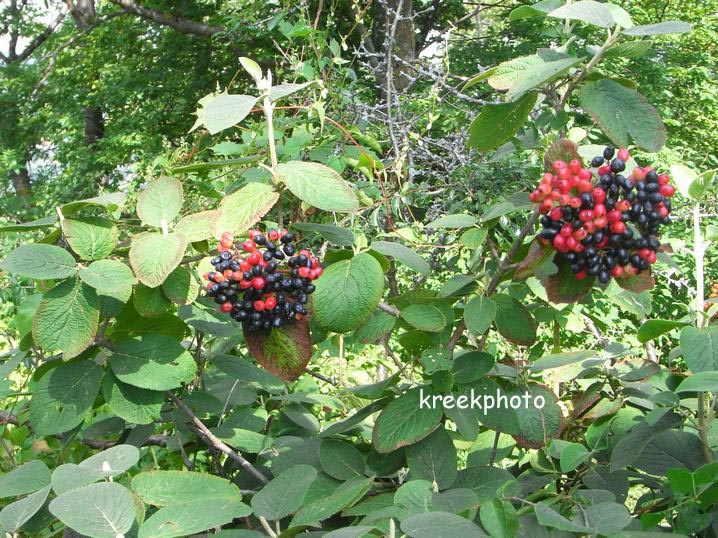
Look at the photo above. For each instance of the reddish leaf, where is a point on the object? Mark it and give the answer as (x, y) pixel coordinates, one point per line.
(638, 283)
(564, 287)
(285, 352)
(537, 255)
(561, 150)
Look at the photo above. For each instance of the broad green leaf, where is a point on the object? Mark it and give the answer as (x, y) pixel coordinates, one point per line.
(224, 111)
(107, 276)
(92, 238)
(248, 373)
(166, 488)
(472, 365)
(27, 478)
(243, 208)
(110, 462)
(458, 285)
(406, 420)
(111, 201)
(498, 210)
(607, 518)
(150, 302)
(342, 237)
(525, 73)
(181, 286)
(340, 460)
(285, 494)
(629, 49)
(283, 90)
(459, 220)
(152, 362)
(630, 447)
(424, 317)
(653, 328)
(433, 459)
(497, 123)
(557, 360)
(189, 518)
(63, 395)
(547, 516)
(31, 225)
(318, 185)
(16, 514)
(345, 495)
(479, 314)
(659, 28)
(104, 510)
(700, 348)
(377, 326)
(153, 256)
(348, 293)
(197, 226)
(251, 67)
(440, 525)
(499, 519)
(40, 261)
(357, 531)
(403, 254)
(690, 183)
(536, 426)
(66, 319)
(415, 496)
(539, 9)
(572, 455)
(160, 202)
(700, 381)
(590, 11)
(623, 114)
(130, 403)
(69, 476)
(514, 321)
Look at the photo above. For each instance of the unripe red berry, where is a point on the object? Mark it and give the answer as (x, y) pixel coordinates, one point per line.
(614, 215)
(249, 246)
(304, 272)
(558, 165)
(603, 170)
(618, 227)
(575, 166)
(667, 190)
(270, 303)
(617, 271)
(585, 186)
(585, 215)
(258, 282)
(599, 195)
(575, 202)
(599, 210)
(254, 258)
(273, 235)
(226, 307)
(623, 154)
(581, 275)
(259, 306)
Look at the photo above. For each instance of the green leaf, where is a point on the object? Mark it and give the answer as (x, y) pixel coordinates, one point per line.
(341, 460)
(588, 11)
(536, 426)
(497, 123)
(251, 67)
(69, 476)
(197, 226)
(40, 261)
(193, 517)
(29, 226)
(153, 256)
(440, 525)
(63, 395)
(629, 49)
(160, 202)
(342, 237)
(66, 319)
(607, 518)
(700, 348)
(514, 321)
(110, 201)
(104, 510)
(572, 455)
(27, 478)
(433, 459)
(653, 328)
(557, 360)
(405, 420)
(403, 254)
(424, 317)
(132, 404)
(150, 302)
(181, 286)
(348, 292)
(458, 285)
(548, 517)
(499, 519)
(16, 514)
(479, 314)
(166, 488)
(224, 111)
(285, 494)
(283, 90)
(377, 326)
(539, 9)
(345, 495)
(690, 183)
(623, 114)
(472, 365)
(110, 462)
(525, 73)
(107, 276)
(460, 220)
(665, 27)
(152, 362)
(701, 381)
(243, 208)
(92, 238)
(319, 186)
(498, 210)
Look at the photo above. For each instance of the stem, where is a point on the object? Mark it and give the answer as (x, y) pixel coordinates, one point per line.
(267, 528)
(704, 415)
(268, 114)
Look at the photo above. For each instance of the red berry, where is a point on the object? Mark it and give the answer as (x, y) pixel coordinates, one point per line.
(575, 166)
(206, 276)
(614, 215)
(546, 205)
(245, 284)
(566, 230)
(618, 227)
(585, 174)
(227, 242)
(245, 266)
(534, 196)
(603, 170)
(617, 271)
(599, 195)
(237, 276)
(559, 242)
(623, 154)
(667, 190)
(663, 179)
(600, 222)
(259, 306)
(581, 275)
(645, 253)
(249, 246)
(584, 186)
(219, 277)
(639, 174)
(209, 285)
(558, 165)
(254, 258)
(599, 210)
(556, 214)
(316, 273)
(580, 234)
(273, 235)
(585, 215)
(270, 303)
(258, 282)
(304, 272)
(623, 205)
(571, 243)
(252, 233)
(226, 307)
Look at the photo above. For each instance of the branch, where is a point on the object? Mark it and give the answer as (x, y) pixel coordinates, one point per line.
(186, 26)
(214, 442)
(389, 309)
(41, 37)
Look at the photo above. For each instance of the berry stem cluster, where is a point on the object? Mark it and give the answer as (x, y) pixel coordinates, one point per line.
(601, 222)
(250, 284)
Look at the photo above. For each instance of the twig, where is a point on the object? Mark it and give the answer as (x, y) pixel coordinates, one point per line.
(322, 377)
(389, 309)
(214, 442)
(267, 528)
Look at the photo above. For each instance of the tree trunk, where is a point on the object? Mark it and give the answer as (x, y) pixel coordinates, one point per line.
(21, 183)
(94, 125)
(398, 34)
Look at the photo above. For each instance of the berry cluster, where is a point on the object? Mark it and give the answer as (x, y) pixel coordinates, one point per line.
(263, 282)
(607, 228)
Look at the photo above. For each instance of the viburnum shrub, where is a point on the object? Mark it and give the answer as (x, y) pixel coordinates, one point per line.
(609, 227)
(326, 381)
